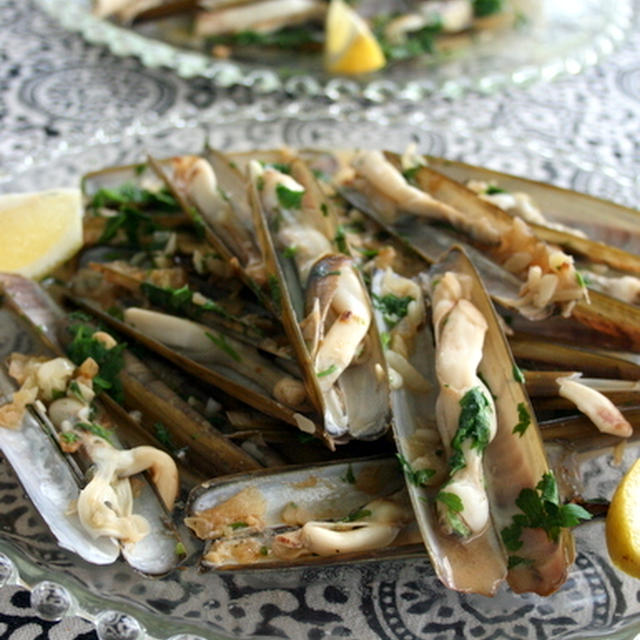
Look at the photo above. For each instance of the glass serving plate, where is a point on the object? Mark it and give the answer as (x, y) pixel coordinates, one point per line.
(555, 38)
(394, 599)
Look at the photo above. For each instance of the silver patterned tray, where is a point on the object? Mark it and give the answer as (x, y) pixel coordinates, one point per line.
(555, 39)
(395, 599)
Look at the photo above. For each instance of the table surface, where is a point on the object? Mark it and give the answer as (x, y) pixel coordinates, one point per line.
(57, 92)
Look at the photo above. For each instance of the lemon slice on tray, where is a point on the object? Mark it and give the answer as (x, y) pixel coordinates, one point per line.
(350, 46)
(39, 231)
(623, 523)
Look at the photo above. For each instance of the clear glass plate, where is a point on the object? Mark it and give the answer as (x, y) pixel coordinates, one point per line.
(556, 38)
(398, 599)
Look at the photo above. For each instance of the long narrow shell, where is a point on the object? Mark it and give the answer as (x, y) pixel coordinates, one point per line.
(513, 461)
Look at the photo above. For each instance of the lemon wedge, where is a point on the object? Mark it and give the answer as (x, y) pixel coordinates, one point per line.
(39, 231)
(623, 523)
(350, 46)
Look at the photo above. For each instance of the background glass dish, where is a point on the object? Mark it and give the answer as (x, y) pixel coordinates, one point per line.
(397, 599)
(557, 38)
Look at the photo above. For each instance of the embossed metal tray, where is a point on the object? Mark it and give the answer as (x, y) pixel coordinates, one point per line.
(392, 599)
(555, 38)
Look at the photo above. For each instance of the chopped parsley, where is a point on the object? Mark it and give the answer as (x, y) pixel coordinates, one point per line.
(69, 437)
(454, 507)
(133, 222)
(264, 551)
(394, 308)
(290, 252)
(482, 8)
(541, 509)
(491, 190)
(474, 424)
(341, 239)
(580, 279)
(274, 290)
(288, 198)
(325, 209)
(286, 38)
(110, 361)
(410, 174)
(514, 561)
(518, 376)
(238, 525)
(348, 477)
(96, 429)
(417, 477)
(415, 43)
(385, 339)
(180, 549)
(327, 372)
(221, 342)
(367, 253)
(74, 387)
(524, 419)
(358, 514)
(131, 194)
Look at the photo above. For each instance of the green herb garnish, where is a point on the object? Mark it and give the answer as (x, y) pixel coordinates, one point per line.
(541, 509)
(221, 342)
(359, 514)
(274, 290)
(341, 239)
(288, 198)
(385, 339)
(368, 253)
(74, 387)
(417, 477)
(474, 425)
(69, 437)
(492, 190)
(96, 429)
(518, 376)
(110, 361)
(348, 477)
(454, 507)
(482, 8)
(238, 525)
(524, 419)
(327, 372)
(290, 252)
(180, 549)
(410, 174)
(394, 308)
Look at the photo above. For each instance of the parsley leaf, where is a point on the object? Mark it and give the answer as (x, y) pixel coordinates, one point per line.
(288, 198)
(417, 477)
(327, 372)
(394, 308)
(96, 429)
(482, 8)
(358, 514)
(541, 509)
(474, 424)
(524, 419)
(110, 361)
(518, 376)
(454, 507)
(222, 343)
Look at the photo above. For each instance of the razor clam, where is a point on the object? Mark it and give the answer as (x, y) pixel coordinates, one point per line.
(41, 467)
(601, 313)
(200, 185)
(304, 515)
(263, 16)
(170, 341)
(515, 459)
(476, 565)
(326, 311)
(601, 220)
(149, 543)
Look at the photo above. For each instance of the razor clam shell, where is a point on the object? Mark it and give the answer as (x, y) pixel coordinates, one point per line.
(232, 386)
(512, 462)
(209, 450)
(39, 464)
(601, 220)
(292, 303)
(155, 553)
(591, 363)
(477, 566)
(431, 242)
(325, 490)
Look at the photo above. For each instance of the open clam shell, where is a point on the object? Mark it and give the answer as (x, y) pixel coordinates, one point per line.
(155, 553)
(319, 291)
